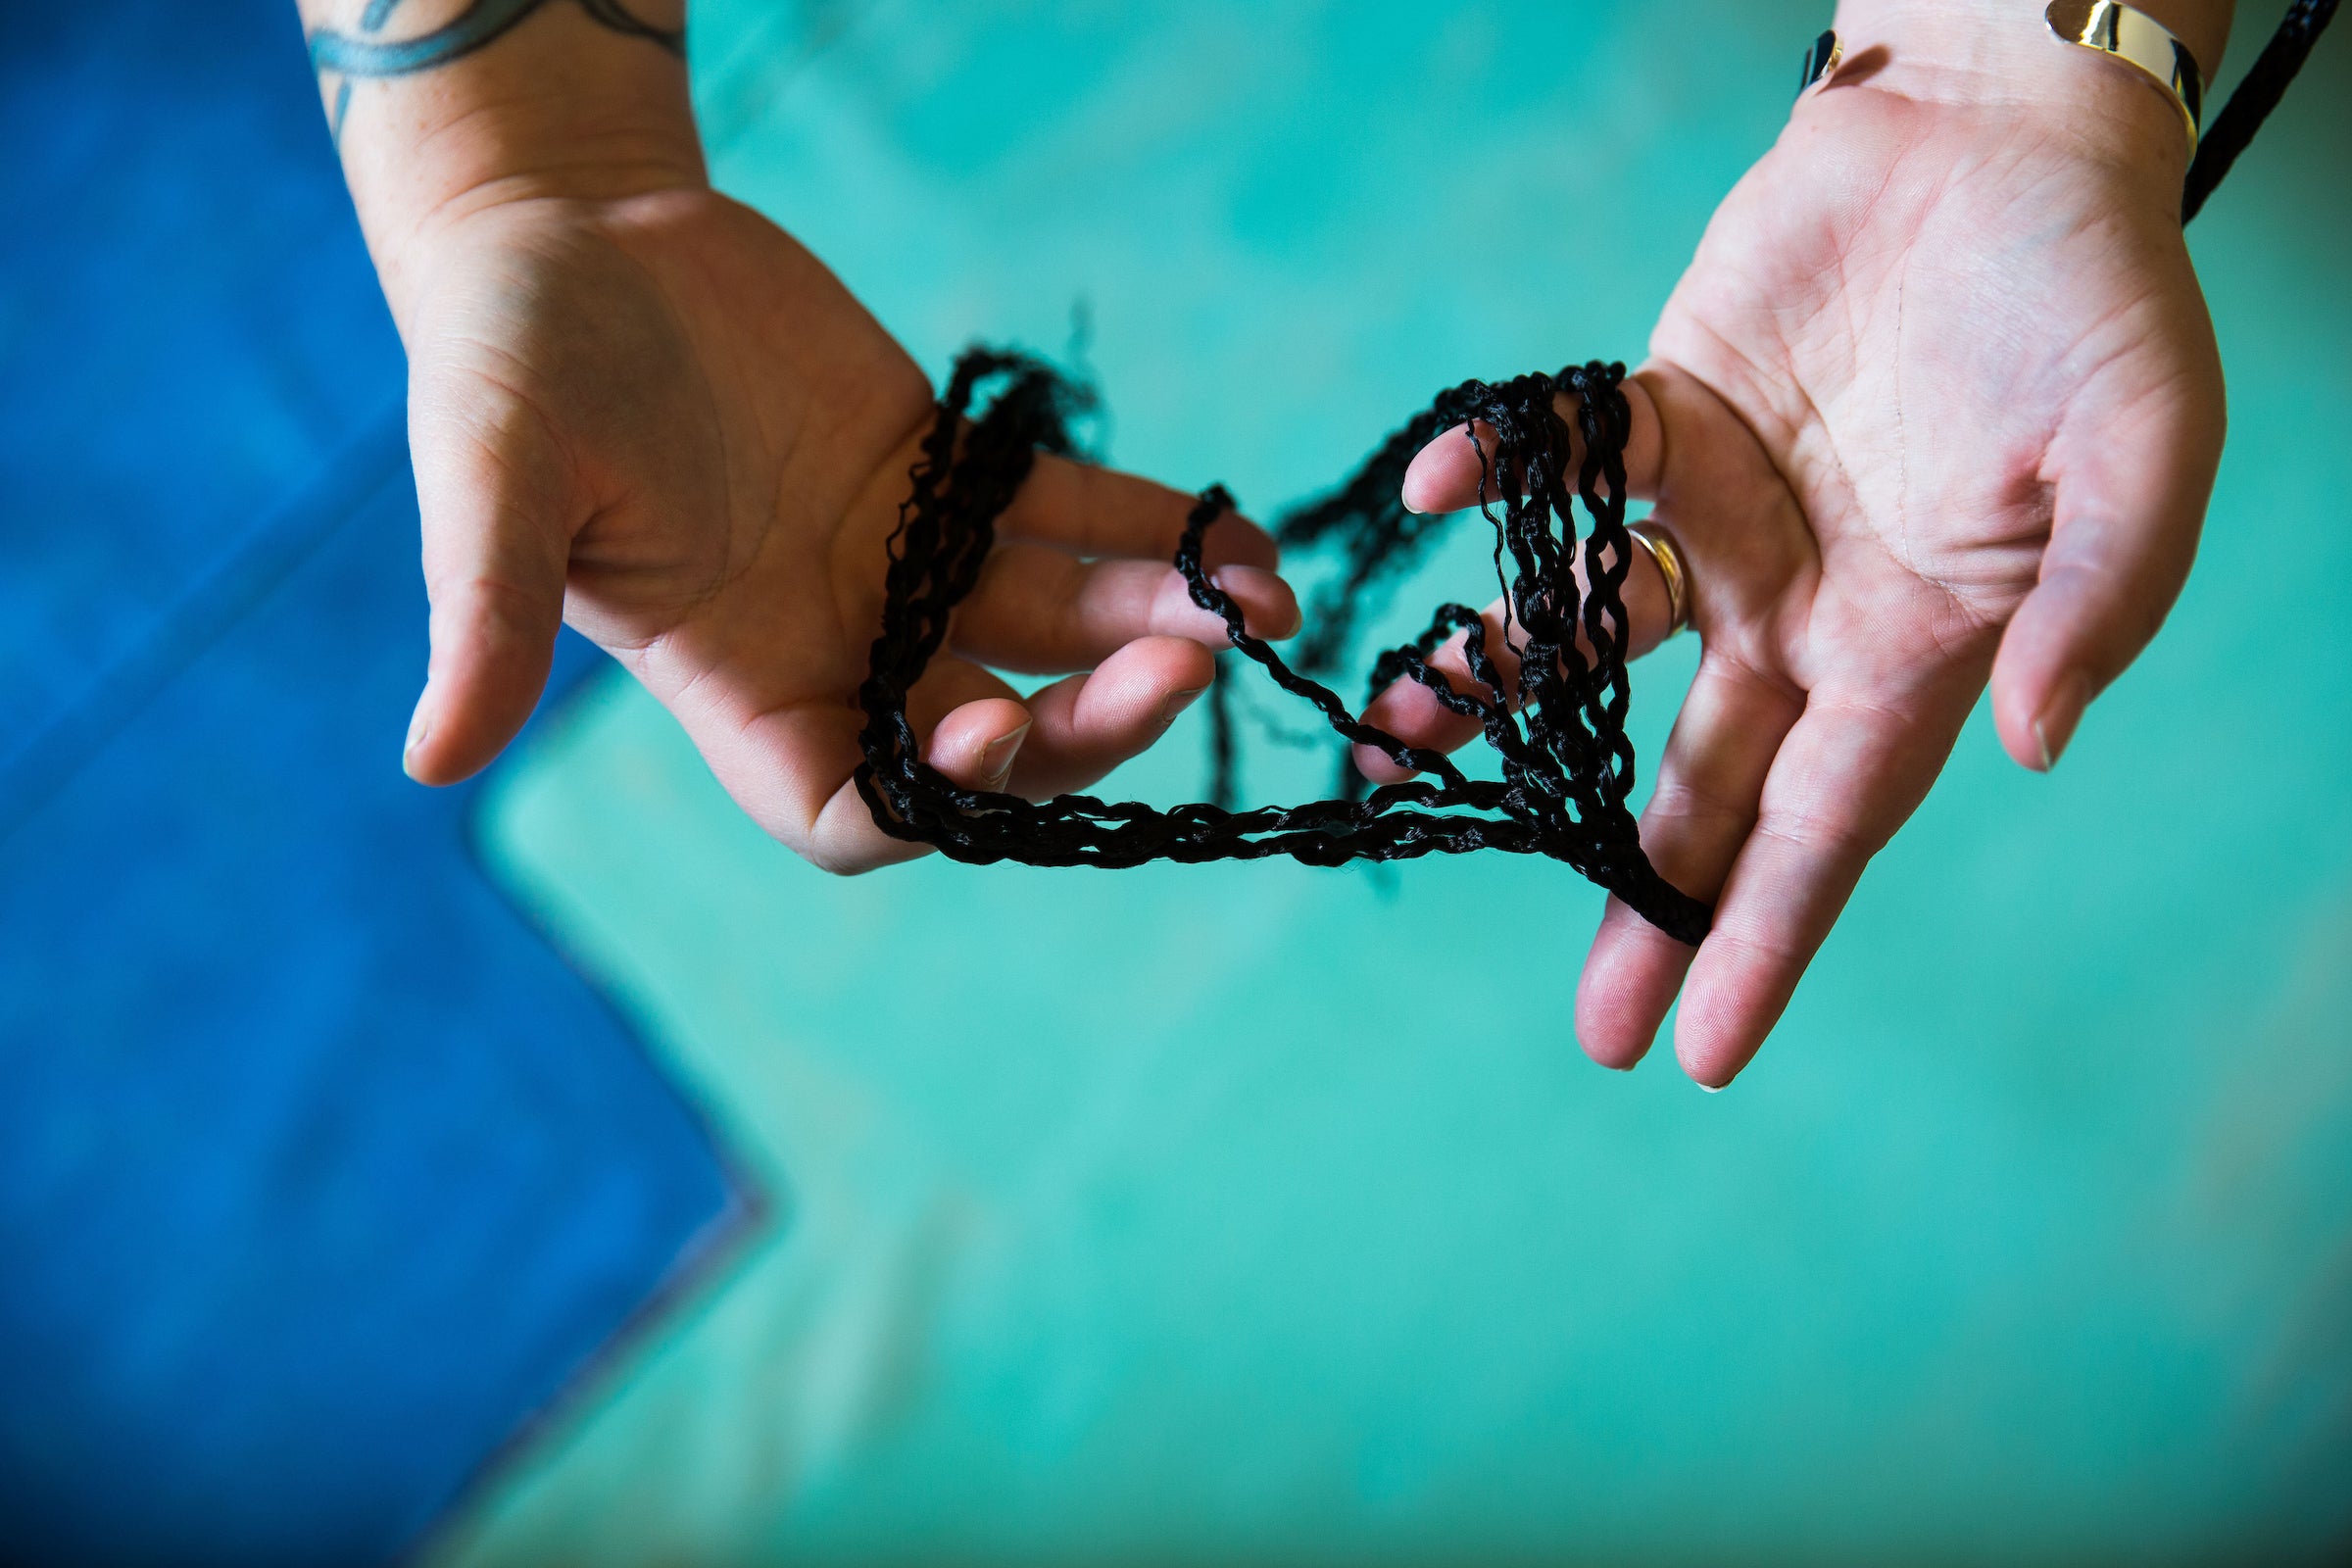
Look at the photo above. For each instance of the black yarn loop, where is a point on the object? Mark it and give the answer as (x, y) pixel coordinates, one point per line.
(1558, 731)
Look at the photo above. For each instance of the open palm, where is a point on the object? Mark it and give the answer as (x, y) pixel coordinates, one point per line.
(663, 422)
(1938, 402)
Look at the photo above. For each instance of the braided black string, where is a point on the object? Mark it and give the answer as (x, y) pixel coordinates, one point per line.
(1567, 766)
(2234, 128)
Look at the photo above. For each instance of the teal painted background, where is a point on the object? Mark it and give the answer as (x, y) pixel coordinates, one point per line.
(1256, 1214)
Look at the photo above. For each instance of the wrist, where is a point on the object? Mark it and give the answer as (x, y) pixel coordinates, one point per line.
(555, 106)
(2002, 54)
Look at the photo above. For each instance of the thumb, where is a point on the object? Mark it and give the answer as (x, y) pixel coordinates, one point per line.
(495, 498)
(2123, 535)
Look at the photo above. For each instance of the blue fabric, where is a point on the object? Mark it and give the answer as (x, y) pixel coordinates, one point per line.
(319, 1170)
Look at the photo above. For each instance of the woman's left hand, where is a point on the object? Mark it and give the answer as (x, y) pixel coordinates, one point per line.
(1938, 403)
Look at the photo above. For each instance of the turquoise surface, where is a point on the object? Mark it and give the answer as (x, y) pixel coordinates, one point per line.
(1256, 1214)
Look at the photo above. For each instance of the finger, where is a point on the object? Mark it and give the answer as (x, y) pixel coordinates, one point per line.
(974, 745)
(1710, 779)
(789, 765)
(1087, 510)
(1413, 713)
(1445, 475)
(1065, 738)
(2122, 536)
(1043, 612)
(1848, 775)
(497, 503)
(1089, 724)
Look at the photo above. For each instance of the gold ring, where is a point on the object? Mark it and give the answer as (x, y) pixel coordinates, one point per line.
(1821, 63)
(1661, 548)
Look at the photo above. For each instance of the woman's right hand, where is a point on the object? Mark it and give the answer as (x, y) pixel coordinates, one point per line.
(661, 419)
(640, 408)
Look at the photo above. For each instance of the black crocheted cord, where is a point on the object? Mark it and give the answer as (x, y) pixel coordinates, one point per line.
(2264, 84)
(1558, 732)
(1567, 767)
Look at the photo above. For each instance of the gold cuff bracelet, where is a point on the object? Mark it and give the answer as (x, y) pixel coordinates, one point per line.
(2140, 41)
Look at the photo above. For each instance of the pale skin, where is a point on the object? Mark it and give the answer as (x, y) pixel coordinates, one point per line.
(1937, 404)
(641, 409)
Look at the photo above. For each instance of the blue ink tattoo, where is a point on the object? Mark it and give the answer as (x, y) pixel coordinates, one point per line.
(355, 55)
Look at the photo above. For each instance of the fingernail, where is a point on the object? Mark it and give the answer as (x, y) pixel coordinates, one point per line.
(2054, 725)
(1714, 1089)
(995, 762)
(1176, 703)
(420, 725)
(1298, 617)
